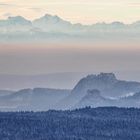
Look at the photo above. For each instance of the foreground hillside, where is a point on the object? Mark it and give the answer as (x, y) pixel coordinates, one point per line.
(81, 124)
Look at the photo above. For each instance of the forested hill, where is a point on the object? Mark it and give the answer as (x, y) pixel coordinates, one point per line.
(82, 124)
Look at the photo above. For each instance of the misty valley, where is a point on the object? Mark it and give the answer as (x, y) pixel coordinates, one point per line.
(99, 90)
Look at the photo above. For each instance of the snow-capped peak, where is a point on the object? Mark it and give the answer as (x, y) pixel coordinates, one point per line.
(18, 20)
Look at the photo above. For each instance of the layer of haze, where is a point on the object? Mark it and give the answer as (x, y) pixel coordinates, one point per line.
(83, 11)
(32, 59)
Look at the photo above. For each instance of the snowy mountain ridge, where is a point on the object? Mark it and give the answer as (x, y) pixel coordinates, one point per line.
(49, 26)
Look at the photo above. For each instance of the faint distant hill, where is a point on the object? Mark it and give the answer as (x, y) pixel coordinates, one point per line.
(66, 80)
(37, 99)
(51, 27)
(93, 98)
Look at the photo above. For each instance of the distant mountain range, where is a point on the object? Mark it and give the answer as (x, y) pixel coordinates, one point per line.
(99, 90)
(53, 27)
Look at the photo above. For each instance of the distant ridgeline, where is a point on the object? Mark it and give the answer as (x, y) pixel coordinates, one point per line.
(81, 124)
(99, 90)
(53, 27)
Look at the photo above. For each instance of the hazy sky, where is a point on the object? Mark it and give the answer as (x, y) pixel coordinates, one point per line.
(84, 11)
(46, 58)
(52, 58)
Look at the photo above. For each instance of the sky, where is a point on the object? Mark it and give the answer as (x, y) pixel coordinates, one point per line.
(83, 11)
(32, 59)
(58, 59)
(28, 59)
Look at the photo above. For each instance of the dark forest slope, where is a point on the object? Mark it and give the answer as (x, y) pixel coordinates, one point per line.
(81, 124)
